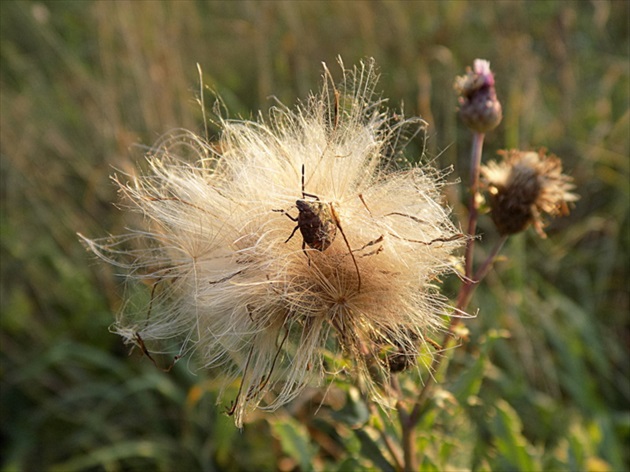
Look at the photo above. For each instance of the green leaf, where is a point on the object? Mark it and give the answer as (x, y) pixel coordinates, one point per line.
(428, 466)
(355, 412)
(469, 382)
(294, 440)
(511, 444)
(157, 453)
(371, 450)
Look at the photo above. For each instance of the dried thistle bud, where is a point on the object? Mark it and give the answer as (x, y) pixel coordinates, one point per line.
(524, 186)
(479, 108)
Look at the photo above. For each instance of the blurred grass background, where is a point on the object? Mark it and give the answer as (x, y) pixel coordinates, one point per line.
(543, 383)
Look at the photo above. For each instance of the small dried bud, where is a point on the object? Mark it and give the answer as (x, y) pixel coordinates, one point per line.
(525, 185)
(479, 108)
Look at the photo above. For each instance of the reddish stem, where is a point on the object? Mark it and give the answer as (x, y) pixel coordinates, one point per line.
(473, 203)
(409, 421)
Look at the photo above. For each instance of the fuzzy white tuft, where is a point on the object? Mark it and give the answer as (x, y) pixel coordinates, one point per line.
(230, 285)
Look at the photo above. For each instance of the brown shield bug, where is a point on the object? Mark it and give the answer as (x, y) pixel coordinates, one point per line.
(316, 220)
(318, 223)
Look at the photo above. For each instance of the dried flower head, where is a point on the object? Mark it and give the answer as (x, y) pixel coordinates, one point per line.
(479, 108)
(268, 305)
(524, 186)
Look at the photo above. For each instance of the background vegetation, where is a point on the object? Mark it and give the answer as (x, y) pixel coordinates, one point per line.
(543, 382)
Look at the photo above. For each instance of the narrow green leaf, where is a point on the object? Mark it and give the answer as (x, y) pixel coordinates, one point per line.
(155, 452)
(512, 445)
(294, 439)
(371, 450)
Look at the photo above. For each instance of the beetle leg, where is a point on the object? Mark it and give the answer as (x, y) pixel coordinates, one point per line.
(292, 233)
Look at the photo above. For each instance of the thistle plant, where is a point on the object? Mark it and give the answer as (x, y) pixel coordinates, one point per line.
(239, 287)
(302, 247)
(520, 189)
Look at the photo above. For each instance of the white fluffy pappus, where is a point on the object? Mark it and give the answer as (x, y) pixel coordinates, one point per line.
(230, 286)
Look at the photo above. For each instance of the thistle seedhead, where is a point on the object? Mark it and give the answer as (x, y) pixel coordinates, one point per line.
(234, 289)
(523, 187)
(480, 109)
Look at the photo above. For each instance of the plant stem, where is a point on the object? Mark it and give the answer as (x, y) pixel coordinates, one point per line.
(409, 445)
(466, 291)
(473, 203)
(409, 421)
(408, 439)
